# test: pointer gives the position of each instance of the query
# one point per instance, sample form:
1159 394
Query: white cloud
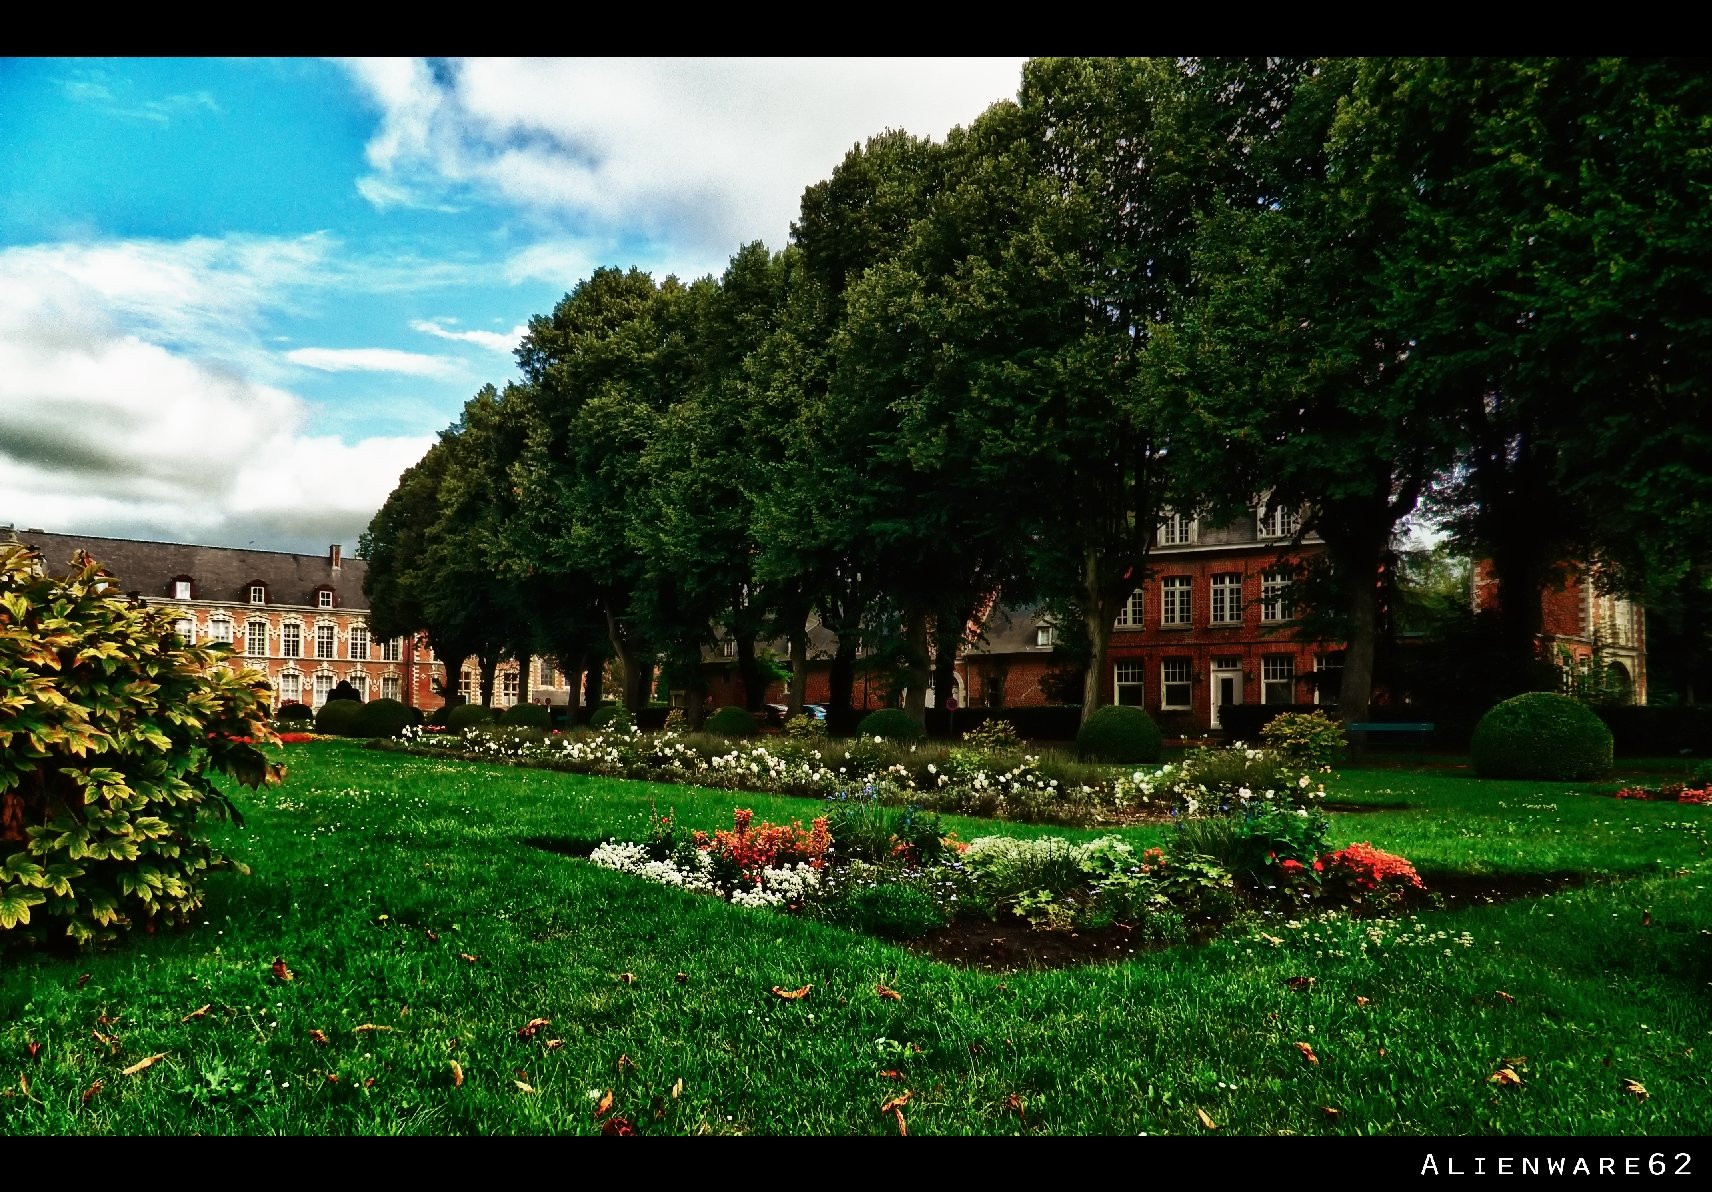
390 360
710 152
128 404
494 341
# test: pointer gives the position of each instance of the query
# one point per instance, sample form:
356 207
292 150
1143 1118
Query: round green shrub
527 716
440 715
464 715
385 718
1541 735
891 724
730 721
604 715
294 711
114 729
1120 734
340 718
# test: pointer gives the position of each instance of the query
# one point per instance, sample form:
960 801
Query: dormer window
258 593
1279 522
1177 530
323 597
1043 635
181 588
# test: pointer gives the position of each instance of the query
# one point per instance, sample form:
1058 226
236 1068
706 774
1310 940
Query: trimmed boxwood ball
385 718
294 711
1541 735
340 718
892 724
1120 734
731 721
465 715
526 716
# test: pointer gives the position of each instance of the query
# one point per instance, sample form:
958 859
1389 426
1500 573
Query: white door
1227 686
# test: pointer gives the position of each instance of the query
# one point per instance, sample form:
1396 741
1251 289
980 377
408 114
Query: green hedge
294 711
386 718
1120 734
731 721
1541 735
891 724
464 715
527 716
340 718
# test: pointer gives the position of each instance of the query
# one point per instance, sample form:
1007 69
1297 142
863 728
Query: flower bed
969 780
1671 792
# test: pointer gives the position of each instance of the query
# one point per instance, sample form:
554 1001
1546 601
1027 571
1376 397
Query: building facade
302 620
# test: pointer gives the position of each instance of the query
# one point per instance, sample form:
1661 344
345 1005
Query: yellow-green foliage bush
111 729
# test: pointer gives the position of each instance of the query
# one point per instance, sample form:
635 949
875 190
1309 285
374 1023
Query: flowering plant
1368 874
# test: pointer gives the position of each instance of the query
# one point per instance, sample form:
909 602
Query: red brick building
1579 624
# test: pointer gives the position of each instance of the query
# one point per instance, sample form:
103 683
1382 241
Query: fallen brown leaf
1361 1001
35 1050
1647 917
522 1086
624 1062
318 1037
24 1084
888 993
82 980
369 1083
678 1088
1331 1111
1504 1076
91 1091
553 1044
682 978
457 1074
107 1041
1635 1087
332 1078
1308 1053
529 1029
465 956
903 1130
892 1074
792 995
280 971
369 1028
1506 998
1016 1105
1207 1123
1300 982
617 1127
605 1105
145 1063
201 1013
627 978
433 936
901 1099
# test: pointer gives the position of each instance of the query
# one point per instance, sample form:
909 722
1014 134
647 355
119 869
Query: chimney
333 557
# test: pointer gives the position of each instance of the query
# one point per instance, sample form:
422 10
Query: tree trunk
799 665
489 664
841 685
1361 596
573 690
631 683
916 669
947 645
1099 610
524 676
754 683
594 677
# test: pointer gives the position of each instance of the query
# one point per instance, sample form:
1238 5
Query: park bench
1419 728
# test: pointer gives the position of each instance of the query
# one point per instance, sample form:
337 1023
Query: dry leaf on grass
1016 1105
280 971
1506 998
888 993
627 978
678 1088
895 1102
1308 1053
892 1074
82 980
35 1050
319 1036
369 1028
1504 1076
1207 1123
529 1029
457 1074
465 956
791 995
554 1044
201 1013
1635 1087
605 1105
1301 982
903 1130
617 1127
522 1087
1331 1111
433 936
91 1091
144 1064
1361 1001
624 1062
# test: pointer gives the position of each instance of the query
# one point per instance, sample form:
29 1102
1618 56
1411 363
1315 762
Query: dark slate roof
216 572
1010 631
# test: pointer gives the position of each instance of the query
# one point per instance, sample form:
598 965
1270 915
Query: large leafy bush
385 718
111 729
891 724
1541 735
463 716
340 718
527 716
731 721
1119 733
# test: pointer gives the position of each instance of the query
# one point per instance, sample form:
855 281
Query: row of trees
1361 286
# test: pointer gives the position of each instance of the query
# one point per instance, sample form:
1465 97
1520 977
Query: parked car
777 714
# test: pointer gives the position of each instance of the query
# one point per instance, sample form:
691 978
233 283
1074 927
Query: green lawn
361 858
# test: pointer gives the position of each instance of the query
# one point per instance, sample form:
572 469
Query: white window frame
1176 678
323 687
391 687
1043 636
258 594
1177 530
359 680
469 685
510 688
291 639
290 687
357 636
324 598
185 627
1129 682
1277 521
250 628
1277 671
728 647
392 649
1323 662
181 589
326 640
221 629
1275 598
1133 615
1226 603
1176 601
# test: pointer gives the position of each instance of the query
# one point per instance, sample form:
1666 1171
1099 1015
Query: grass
361 855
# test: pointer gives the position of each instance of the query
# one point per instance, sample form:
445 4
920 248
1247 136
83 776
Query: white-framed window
510 687
324 647
1130 616
469 686
392 649
324 598
1044 636
1277 679
391 687
360 682
291 688
1275 597
1177 530
1278 522
220 629
1324 694
181 589
185 627
358 641
1174 683
291 639
1174 604
258 594
1128 685
549 674
323 687
1227 599
255 639
728 647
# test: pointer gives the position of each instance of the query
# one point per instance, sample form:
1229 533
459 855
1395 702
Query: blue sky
238 297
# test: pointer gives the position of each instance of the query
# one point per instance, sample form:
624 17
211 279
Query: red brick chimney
333 557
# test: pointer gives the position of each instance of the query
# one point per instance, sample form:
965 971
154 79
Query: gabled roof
218 572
